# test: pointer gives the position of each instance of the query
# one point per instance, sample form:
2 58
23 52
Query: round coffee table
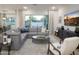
40 39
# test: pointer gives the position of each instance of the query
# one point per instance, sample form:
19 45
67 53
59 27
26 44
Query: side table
40 39
8 45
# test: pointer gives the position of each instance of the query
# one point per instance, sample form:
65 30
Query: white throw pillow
43 29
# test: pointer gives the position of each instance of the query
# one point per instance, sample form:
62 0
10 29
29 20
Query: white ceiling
66 7
31 6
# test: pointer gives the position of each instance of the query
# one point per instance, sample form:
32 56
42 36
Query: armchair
66 48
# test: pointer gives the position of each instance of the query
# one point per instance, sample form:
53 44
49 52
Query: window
34 21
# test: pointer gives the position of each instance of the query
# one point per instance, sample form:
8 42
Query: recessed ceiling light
25 7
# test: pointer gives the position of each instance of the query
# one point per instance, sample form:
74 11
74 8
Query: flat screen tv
71 21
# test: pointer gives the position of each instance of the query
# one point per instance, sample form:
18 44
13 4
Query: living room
32 26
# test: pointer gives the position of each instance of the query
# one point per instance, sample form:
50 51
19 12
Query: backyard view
36 21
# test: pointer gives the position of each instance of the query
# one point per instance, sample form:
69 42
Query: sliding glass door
36 21
8 23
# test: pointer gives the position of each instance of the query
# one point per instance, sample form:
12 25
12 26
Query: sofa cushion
23 35
25 29
35 29
65 33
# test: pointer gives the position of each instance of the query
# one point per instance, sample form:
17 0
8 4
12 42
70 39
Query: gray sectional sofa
18 38
65 33
36 31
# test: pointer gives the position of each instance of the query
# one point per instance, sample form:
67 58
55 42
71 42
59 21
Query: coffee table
40 39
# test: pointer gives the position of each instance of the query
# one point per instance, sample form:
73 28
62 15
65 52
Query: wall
59 15
35 12
19 18
51 22
71 13
55 20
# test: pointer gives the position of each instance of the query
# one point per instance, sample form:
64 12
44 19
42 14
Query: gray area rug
30 48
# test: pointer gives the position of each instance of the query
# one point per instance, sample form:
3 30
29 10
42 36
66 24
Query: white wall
61 17
55 20
69 12
35 12
51 22
71 9
62 12
19 18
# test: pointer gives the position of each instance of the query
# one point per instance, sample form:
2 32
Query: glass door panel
27 23
36 21
8 23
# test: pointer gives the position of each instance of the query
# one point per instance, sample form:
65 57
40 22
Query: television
71 21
